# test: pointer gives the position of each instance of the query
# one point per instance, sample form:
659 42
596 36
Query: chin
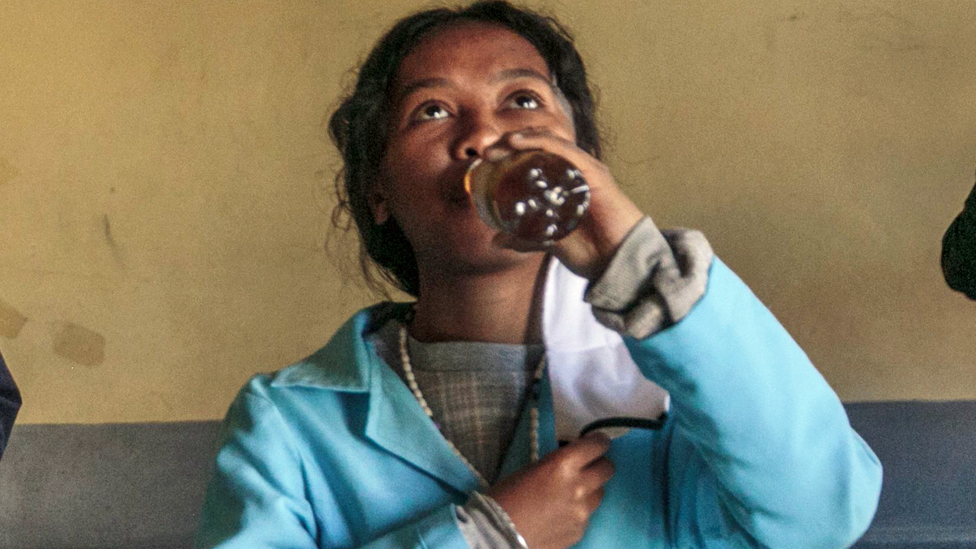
480 258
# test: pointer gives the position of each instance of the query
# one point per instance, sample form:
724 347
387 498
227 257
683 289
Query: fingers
544 140
596 173
573 458
541 138
534 138
592 480
593 500
585 451
600 471
551 501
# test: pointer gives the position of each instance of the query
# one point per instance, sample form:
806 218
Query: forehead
469 48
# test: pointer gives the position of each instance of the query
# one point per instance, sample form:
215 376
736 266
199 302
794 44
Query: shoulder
344 364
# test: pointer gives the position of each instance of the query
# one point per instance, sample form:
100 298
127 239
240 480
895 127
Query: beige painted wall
165 181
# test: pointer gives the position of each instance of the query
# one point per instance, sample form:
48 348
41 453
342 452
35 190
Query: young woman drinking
434 424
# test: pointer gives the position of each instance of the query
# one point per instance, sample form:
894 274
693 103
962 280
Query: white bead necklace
415 389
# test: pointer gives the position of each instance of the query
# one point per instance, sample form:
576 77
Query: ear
378 203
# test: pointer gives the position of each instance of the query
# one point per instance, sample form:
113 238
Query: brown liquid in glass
534 195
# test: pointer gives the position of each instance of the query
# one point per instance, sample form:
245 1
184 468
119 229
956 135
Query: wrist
589 251
505 520
489 525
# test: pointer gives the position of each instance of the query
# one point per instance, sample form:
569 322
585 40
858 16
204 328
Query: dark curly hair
358 126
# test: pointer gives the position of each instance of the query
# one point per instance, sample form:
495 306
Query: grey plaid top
476 391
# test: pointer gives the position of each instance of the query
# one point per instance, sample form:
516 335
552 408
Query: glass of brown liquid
534 195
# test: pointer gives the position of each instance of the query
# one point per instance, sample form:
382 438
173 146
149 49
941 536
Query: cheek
398 165
560 124
569 126
413 151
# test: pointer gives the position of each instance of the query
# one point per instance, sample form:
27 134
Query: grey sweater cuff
485 525
652 281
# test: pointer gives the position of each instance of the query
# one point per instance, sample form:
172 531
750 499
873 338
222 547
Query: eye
430 111
524 100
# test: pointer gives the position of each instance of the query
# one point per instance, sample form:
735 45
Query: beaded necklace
415 389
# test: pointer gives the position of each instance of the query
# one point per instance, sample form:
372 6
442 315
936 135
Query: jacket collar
344 364
395 421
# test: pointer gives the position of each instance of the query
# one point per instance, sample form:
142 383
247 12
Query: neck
500 307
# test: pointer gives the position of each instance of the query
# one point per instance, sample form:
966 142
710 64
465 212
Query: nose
477 133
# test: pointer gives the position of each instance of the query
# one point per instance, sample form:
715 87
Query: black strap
629 422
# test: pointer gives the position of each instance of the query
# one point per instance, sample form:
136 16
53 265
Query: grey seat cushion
928 450
140 486
104 486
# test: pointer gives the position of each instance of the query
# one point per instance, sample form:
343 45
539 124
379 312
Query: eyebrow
423 83
514 74
507 74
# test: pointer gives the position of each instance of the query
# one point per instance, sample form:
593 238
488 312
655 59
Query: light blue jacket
335 452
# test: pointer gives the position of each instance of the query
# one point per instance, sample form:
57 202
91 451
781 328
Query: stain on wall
107 229
7 172
11 321
79 344
109 237
877 28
